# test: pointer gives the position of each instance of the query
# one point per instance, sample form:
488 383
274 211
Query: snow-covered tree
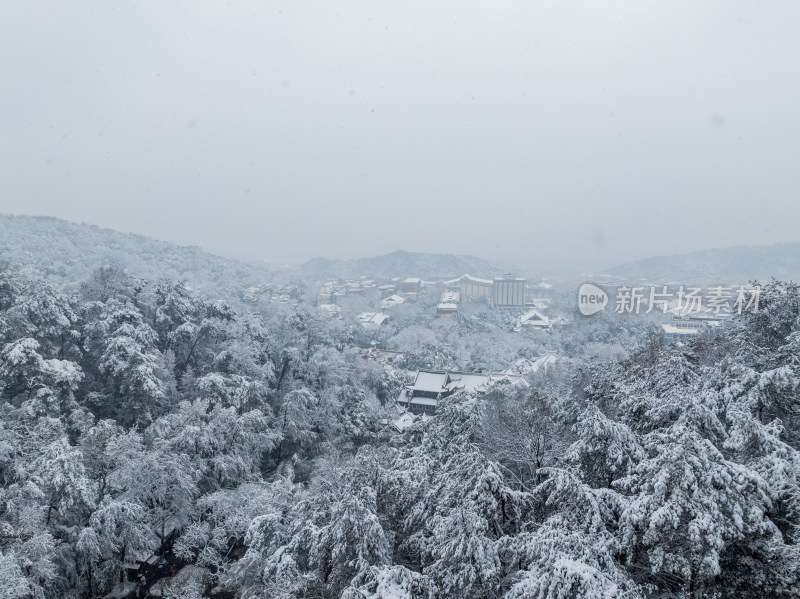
688 505
389 582
604 450
572 552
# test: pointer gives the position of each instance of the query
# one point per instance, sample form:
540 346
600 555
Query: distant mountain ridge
67 253
401 264
732 265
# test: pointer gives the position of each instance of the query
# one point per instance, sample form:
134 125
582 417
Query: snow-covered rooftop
527 366
432 381
404 421
372 319
392 300
673 330
450 297
534 318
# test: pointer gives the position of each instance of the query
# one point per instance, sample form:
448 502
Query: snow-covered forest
254 449
399 300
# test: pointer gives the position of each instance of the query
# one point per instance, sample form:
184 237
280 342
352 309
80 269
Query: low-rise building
683 328
273 293
386 290
333 292
532 366
411 285
330 310
392 301
373 319
384 357
534 319
448 303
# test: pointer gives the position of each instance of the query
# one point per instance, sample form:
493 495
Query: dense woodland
67 253
131 409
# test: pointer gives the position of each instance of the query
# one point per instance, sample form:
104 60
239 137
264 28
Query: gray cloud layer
596 131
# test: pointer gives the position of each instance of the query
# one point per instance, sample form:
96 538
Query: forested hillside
66 253
732 265
255 451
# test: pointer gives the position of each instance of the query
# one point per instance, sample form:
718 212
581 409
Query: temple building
430 386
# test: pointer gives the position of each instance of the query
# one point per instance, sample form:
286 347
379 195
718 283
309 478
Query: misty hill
733 265
401 264
66 253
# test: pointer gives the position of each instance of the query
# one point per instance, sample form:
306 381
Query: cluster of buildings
332 291
273 293
508 291
392 292
368 320
504 291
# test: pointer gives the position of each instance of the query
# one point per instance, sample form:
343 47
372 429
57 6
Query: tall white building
508 290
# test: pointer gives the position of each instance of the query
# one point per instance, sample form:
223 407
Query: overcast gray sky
604 131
